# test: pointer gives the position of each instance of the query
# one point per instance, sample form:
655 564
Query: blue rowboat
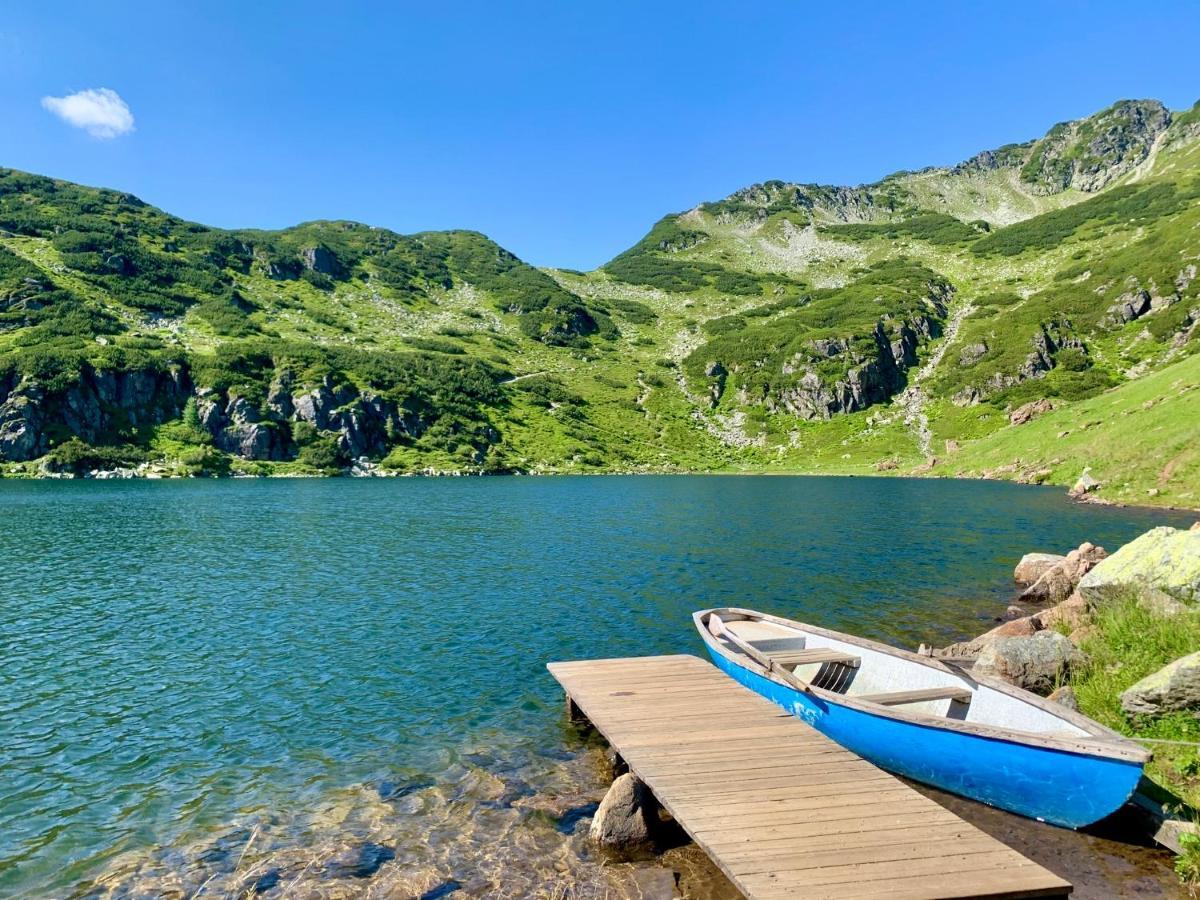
922 718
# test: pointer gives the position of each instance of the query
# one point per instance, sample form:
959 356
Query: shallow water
203 679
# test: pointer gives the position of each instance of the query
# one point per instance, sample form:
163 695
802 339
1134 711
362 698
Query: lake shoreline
375 472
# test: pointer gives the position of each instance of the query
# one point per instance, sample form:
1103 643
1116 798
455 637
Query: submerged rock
1173 688
1163 559
445 889
1036 663
362 862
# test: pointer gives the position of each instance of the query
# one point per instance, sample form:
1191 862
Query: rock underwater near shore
473 831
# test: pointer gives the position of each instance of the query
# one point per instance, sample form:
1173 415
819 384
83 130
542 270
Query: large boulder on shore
1071 614
1059 581
1163 560
627 814
1037 663
1172 688
1020 627
1034 565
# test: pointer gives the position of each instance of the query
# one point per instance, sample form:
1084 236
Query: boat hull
1067 789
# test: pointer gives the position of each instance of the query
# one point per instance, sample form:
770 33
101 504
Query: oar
718 629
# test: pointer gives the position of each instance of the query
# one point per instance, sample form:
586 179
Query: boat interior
870 674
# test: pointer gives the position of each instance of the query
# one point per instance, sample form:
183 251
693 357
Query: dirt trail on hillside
913 399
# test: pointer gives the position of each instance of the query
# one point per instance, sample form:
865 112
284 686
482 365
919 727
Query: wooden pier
780 808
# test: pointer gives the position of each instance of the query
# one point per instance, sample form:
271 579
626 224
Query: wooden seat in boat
814 655
921 695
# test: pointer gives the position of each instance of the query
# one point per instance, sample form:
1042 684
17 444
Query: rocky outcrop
1070 614
1130 306
21 435
364 422
1047 342
1023 626
1090 153
1059 581
96 407
1163 560
1034 565
868 380
972 353
320 259
627 816
1065 696
1038 663
101 406
1050 339
718 374
1173 688
240 429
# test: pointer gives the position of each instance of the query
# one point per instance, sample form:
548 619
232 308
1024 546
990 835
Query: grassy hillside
788 327
1139 439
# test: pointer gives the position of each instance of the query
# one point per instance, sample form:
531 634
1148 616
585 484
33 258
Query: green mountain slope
787 327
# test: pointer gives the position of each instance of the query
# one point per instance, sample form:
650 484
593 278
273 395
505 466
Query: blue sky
562 130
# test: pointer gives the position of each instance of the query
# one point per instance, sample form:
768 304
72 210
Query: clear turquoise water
177 655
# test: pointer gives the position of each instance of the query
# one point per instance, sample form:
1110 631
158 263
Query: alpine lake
323 687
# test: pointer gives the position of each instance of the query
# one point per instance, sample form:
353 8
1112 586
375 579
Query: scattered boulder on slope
1164 560
1034 565
1036 663
1059 581
1172 688
627 814
1029 411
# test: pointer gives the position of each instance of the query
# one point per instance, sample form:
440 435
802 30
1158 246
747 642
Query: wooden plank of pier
783 810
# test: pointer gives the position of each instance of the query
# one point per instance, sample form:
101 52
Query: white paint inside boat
879 672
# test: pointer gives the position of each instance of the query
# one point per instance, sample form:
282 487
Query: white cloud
98 111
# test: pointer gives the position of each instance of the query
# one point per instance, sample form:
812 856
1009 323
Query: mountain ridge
766 331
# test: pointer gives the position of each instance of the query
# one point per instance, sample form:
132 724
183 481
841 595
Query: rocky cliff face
874 376
97 407
828 376
103 406
362 422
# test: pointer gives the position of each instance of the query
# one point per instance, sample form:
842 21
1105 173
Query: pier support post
574 713
617 763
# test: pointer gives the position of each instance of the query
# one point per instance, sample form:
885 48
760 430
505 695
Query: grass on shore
1130 642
